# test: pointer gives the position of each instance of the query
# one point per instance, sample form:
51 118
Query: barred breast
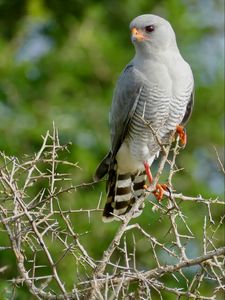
163 111
152 107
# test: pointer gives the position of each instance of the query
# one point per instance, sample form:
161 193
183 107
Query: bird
157 88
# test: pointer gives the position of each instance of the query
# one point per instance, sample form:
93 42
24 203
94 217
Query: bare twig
43 225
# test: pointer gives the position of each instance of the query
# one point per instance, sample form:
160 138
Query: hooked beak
137 35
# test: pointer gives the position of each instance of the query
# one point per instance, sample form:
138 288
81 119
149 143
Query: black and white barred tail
123 190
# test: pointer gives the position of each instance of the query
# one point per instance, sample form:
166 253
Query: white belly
128 163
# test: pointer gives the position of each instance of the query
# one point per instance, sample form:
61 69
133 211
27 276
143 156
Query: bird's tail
103 167
123 190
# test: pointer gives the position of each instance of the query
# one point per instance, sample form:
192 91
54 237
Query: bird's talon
159 191
145 187
182 134
169 191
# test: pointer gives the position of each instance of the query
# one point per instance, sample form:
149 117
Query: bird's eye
150 28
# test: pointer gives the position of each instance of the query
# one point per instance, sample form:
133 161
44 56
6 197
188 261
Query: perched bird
156 87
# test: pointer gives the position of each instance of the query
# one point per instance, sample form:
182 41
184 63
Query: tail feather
103 167
122 192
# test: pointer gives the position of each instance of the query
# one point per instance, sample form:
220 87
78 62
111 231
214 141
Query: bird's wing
189 109
125 100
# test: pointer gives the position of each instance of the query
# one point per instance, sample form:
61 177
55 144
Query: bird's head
149 32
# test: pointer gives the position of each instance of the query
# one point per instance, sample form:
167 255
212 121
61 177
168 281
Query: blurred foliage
59 62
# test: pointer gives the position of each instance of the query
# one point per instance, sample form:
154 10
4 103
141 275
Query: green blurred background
59 61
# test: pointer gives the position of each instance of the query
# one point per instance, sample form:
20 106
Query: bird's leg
182 134
160 188
148 172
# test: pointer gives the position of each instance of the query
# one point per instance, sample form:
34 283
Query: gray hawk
156 86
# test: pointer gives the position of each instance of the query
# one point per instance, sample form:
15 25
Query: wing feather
189 109
125 100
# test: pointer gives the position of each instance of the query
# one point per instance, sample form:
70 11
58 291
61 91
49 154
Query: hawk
156 86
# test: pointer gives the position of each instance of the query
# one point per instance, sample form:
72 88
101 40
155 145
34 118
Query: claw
159 191
182 134
145 187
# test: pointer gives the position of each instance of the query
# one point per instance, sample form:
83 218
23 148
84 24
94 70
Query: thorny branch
43 234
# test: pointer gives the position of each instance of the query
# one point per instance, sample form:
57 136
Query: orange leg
160 188
148 172
182 134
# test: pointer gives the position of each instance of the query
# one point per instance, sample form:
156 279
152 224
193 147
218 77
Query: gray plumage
157 86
